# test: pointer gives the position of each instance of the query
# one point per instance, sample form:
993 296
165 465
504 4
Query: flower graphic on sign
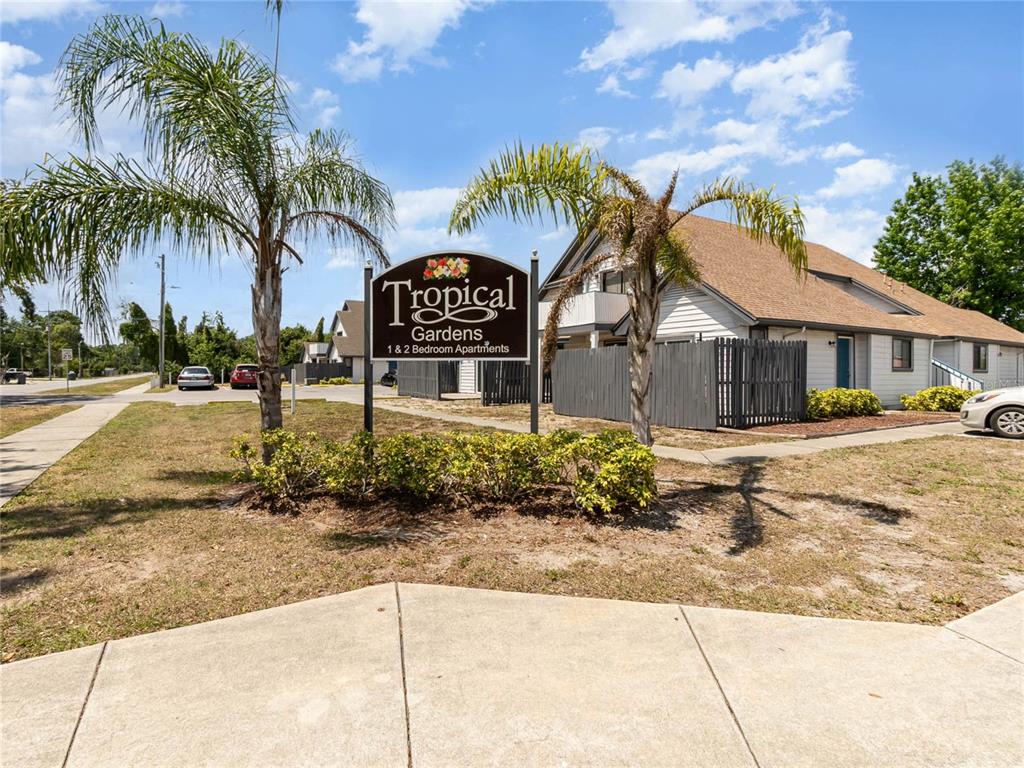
446 268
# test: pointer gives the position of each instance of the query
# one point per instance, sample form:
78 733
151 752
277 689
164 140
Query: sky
836 104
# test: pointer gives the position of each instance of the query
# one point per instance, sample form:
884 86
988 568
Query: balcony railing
592 307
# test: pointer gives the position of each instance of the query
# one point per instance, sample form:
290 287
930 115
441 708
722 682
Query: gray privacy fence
701 385
313 372
508 381
427 378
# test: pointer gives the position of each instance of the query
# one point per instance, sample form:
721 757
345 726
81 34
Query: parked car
12 374
244 375
1001 410
196 377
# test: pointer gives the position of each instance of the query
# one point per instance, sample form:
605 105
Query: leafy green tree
226 171
175 350
960 238
318 334
137 331
575 187
292 339
213 344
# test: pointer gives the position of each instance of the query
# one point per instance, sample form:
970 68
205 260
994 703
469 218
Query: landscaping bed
842 426
116 540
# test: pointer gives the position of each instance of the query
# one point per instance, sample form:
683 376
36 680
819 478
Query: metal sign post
293 390
534 354
66 356
367 356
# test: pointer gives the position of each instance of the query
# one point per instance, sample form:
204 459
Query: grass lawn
694 439
100 387
14 418
137 530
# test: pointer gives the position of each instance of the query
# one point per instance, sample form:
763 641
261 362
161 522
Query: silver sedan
1001 410
195 377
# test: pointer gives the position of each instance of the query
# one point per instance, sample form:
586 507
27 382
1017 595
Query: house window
902 354
759 333
611 282
981 358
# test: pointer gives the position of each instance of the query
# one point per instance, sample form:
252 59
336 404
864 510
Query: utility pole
49 354
79 358
161 319
23 358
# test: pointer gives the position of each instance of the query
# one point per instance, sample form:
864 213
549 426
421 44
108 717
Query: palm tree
573 186
224 171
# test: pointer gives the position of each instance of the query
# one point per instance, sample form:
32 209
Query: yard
101 387
14 418
139 529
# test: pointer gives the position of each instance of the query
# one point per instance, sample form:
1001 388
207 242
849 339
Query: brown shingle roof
350 318
756 278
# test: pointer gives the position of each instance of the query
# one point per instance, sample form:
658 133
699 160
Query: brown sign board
451 305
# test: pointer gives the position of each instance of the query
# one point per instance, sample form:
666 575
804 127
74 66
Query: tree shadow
198 477
746 525
13 582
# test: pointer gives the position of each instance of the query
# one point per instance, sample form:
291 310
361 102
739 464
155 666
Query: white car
196 376
1001 410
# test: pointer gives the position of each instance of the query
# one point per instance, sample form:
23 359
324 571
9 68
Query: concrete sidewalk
25 455
731 455
415 675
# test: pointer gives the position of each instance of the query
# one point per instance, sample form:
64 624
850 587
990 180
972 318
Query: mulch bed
855 424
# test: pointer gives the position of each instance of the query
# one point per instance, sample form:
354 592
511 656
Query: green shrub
837 402
604 472
945 398
333 381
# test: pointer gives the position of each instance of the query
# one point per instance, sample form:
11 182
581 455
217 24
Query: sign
66 354
452 305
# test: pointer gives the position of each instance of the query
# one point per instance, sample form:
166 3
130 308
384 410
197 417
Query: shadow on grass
38 522
746 525
13 582
198 476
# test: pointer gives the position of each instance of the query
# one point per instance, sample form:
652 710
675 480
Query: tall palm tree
224 171
575 187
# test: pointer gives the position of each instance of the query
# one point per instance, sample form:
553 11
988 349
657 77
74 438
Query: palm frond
566 293
761 214
562 181
675 264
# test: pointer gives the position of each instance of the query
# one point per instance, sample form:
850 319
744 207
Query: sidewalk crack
85 702
405 687
721 690
983 645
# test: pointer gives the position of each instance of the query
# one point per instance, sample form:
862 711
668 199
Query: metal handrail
969 381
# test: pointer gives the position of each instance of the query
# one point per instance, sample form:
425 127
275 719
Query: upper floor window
611 282
902 354
981 358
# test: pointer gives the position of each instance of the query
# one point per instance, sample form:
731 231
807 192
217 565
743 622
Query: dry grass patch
100 387
14 418
140 529
694 439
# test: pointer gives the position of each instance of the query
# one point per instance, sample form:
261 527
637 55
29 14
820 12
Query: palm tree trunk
644 303
266 323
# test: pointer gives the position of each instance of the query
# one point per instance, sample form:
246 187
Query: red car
244 376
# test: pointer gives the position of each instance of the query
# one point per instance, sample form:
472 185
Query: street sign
452 305
66 354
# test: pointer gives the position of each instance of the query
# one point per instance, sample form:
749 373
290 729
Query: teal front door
844 359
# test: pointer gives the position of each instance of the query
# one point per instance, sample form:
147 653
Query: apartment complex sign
451 306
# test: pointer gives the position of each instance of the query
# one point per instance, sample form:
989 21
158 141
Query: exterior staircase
945 374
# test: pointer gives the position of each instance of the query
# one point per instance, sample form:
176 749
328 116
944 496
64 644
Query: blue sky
835 103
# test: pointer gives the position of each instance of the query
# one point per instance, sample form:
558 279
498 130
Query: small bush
606 472
945 398
837 402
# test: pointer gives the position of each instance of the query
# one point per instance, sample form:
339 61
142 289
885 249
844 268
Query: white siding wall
965 363
691 312
889 384
467 376
946 352
1010 366
821 358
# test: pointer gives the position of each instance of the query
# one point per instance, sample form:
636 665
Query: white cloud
658 134
596 137
612 86
14 57
685 85
859 178
814 74
642 28
852 232
734 130
422 218
45 10
418 206
396 35
841 150
343 257
557 233
168 9
325 103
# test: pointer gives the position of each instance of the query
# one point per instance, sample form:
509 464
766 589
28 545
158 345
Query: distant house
863 329
314 351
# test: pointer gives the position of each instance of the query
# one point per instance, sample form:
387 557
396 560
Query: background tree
213 344
226 171
292 340
137 331
960 238
318 334
575 187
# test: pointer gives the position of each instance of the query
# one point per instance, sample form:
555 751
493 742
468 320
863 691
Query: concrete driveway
416 675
